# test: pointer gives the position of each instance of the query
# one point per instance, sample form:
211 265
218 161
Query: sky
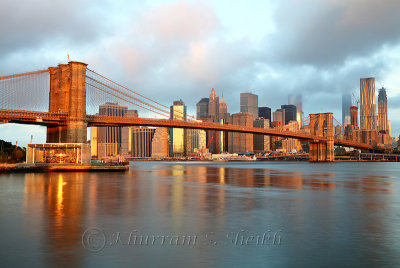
171 50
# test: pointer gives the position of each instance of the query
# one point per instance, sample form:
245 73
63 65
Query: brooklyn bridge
64 98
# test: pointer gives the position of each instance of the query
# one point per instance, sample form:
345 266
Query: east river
200 214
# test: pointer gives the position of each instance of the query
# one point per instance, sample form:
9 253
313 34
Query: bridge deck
47 118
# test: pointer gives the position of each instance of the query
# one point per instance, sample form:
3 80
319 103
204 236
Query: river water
199 214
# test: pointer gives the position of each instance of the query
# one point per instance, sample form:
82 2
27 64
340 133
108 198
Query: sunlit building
110 141
367 104
160 143
177 135
296 100
249 104
241 142
195 140
141 142
382 111
279 116
213 105
353 116
290 144
223 109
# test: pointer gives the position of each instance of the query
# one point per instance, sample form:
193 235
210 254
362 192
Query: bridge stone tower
322 125
68 95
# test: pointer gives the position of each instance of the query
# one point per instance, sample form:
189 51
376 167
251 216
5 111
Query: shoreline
35 168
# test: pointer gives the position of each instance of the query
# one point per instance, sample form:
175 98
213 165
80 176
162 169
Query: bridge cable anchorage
126 95
134 92
121 98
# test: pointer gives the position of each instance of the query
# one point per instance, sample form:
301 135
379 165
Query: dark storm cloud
329 32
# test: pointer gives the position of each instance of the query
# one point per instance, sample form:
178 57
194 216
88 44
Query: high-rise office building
241 142
213 105
261 143
290 113
264 112
109 139
195 140
346 104
367 104
160 143
249 104
141 142
382 111
126 135
354 116
223 109
177 135
296 100
279 116
202 108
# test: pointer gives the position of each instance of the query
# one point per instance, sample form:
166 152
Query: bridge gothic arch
321 125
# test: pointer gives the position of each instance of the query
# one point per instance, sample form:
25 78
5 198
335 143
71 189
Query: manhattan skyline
257 47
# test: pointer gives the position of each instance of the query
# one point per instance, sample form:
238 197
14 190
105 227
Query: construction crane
357 101
209 142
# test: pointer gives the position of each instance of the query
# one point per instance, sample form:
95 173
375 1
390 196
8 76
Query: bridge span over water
70 89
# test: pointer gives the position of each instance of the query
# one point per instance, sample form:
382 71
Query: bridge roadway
54 119
32 117
98 120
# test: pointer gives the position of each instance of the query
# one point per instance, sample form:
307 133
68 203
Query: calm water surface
280 214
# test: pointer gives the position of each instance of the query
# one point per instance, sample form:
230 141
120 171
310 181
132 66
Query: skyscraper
223 109
382 111
290 113
296 100
346 104
249 104
261 143
241 142
354 116
160 143
367 105
213 105
177 135
279 116
264 112
202 108
109 139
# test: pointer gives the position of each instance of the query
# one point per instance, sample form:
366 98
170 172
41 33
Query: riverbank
27 168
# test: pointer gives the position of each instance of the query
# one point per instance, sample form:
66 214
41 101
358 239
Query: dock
42 167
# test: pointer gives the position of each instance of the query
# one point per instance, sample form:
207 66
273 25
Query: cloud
31 25
330 32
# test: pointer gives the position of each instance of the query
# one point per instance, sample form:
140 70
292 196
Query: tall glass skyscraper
177 135
382 111
367 104
290 113
346 104
296 100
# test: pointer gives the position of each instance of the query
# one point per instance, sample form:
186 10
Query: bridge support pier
68 95
322 125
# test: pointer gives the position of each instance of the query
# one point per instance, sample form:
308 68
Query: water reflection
59 198
329 206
